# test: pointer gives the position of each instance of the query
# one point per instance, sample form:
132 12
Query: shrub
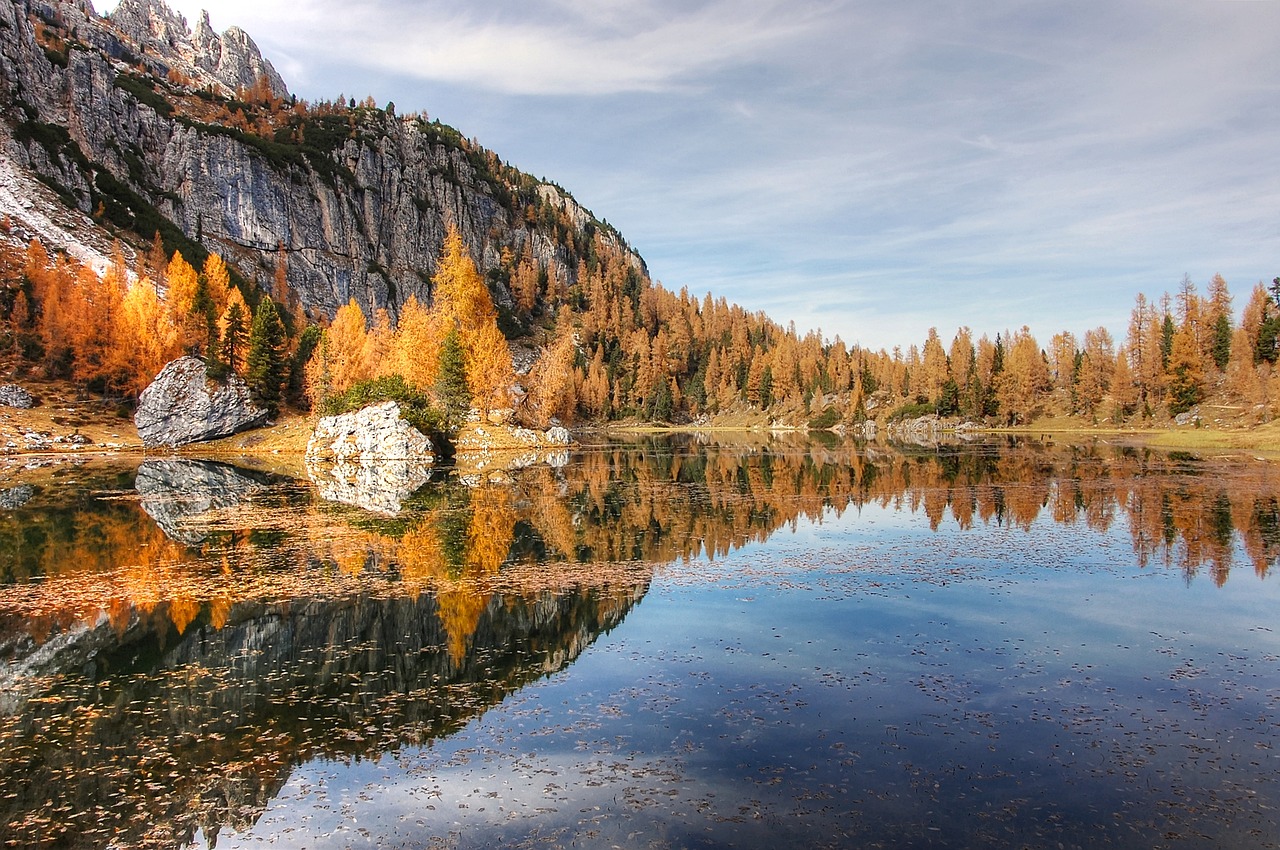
414 406
825 419
912 411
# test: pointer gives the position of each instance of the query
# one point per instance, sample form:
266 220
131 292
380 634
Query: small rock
12 395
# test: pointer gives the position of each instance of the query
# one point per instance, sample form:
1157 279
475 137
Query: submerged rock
183 406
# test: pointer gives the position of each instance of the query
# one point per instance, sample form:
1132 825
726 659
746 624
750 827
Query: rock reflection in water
159 682
177 491
380 487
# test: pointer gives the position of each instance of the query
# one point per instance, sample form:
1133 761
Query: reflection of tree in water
655 501
155 686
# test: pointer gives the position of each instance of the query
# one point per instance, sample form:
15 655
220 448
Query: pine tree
308 342
234 336
264 363
451 390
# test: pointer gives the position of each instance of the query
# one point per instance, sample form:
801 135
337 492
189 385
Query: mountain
141 125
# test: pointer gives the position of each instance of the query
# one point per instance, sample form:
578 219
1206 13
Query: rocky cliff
149 126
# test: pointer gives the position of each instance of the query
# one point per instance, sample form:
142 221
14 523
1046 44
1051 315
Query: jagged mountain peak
231 59
147 126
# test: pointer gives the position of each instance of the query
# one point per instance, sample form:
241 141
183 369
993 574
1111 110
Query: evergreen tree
1167 331
233 335
264 363
452 393
1222 334
308 341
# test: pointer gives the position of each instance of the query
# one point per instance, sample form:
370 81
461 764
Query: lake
668 642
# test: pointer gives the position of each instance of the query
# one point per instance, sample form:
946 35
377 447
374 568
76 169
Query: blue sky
870 169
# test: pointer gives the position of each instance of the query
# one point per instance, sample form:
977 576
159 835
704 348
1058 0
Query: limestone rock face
360 213
232 59
183 406
12 395
371 458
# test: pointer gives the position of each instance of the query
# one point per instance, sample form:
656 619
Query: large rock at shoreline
183 406
370 435
371 458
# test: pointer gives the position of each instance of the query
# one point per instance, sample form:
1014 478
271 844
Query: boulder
371 458
12 395
183 406
370 435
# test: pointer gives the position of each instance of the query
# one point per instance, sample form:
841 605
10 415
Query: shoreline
112 437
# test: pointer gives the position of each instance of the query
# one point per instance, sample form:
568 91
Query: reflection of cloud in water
380 487
176 493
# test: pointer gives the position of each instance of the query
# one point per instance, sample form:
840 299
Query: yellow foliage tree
490 374
415 345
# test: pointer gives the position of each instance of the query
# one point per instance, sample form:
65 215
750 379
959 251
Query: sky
868 169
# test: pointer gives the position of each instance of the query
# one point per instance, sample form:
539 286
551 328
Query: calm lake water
664 643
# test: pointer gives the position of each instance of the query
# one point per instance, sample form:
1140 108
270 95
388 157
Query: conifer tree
308 342
264 363
234 336
451 390
1186 377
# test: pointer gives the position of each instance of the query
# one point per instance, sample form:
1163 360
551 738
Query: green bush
824 420
912 411
414 406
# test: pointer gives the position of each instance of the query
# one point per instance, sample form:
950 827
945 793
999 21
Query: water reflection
175 638
381 488
176 491
141 735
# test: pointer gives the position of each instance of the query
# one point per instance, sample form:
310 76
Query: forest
610 345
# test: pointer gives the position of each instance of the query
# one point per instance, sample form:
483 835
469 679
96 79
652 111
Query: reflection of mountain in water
159 680
143 736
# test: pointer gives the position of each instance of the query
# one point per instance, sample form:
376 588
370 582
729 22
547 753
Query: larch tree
182 297
1241 373
1062 362
460 296
346 343
935 371
1185 386
415 347
1124 388
490 375
218 280
551 380
1024 380
1097 365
